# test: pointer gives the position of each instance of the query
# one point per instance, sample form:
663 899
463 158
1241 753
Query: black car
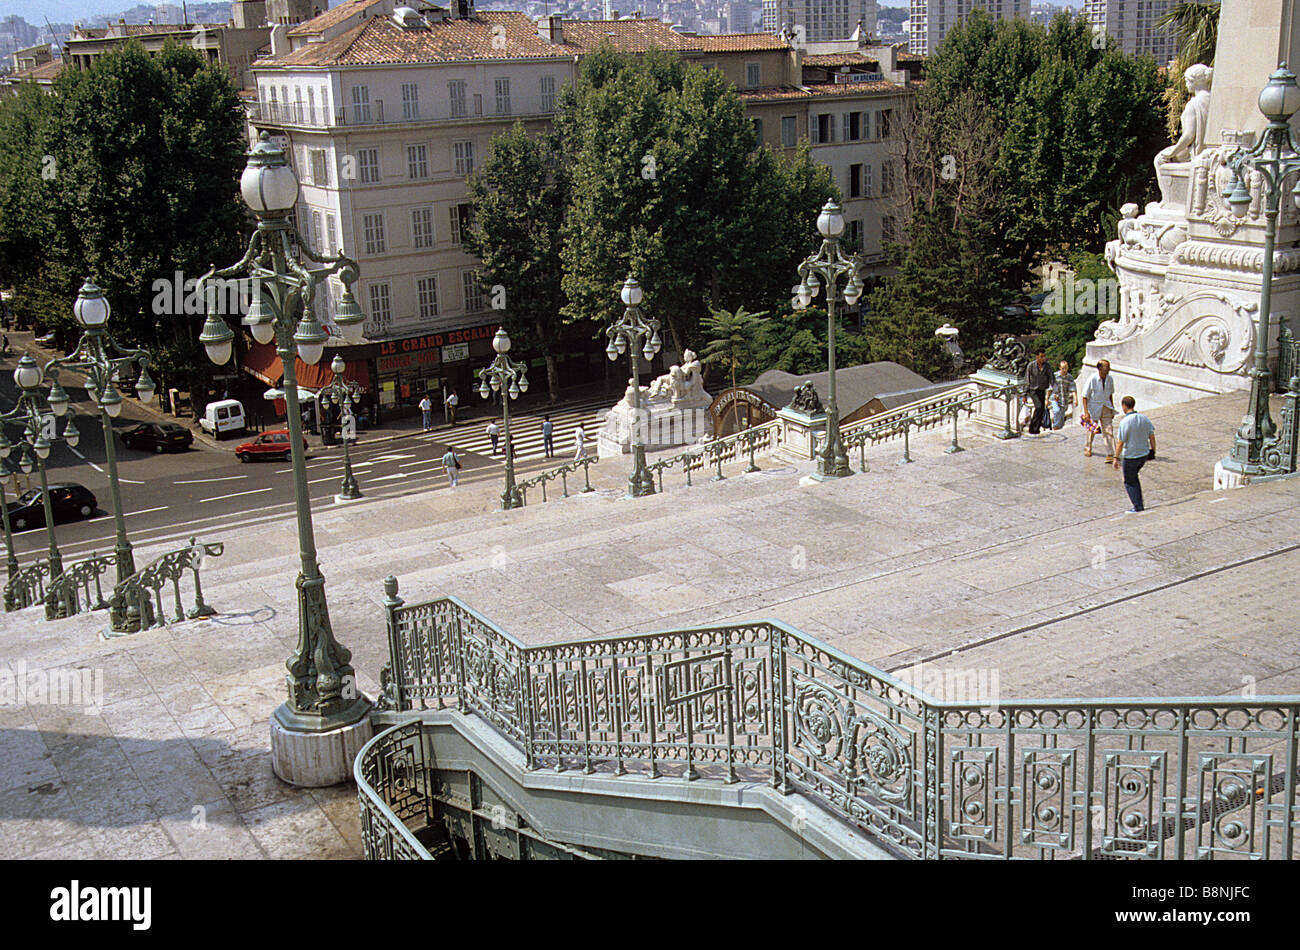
68 501
158 437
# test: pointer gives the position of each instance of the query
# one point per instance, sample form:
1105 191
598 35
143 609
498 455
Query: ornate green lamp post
831 265
344 394
36 414
315 733
635 332
11 561
1273 158
103 360
507 376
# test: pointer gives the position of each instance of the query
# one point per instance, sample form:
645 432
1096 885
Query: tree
1195 24
667 184
1065 331
146 151
731 338
519 195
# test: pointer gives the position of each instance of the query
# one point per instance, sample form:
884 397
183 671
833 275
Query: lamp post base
828 470
1228 475
312 752
343 497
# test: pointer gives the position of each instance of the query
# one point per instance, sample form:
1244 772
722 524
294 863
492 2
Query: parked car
222 416
68 500
158 437
274 444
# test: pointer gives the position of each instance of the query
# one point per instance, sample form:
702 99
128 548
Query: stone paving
1014 557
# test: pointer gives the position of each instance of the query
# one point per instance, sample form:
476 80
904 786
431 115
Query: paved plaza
1014 557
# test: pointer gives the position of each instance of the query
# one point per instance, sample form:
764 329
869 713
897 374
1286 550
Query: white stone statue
1194 121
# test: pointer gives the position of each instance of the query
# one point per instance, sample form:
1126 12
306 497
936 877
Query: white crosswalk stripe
526 433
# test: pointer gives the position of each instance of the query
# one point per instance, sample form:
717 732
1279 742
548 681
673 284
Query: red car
274 444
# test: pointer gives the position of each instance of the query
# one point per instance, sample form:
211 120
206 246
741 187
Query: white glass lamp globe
501 342
91 309
27 375
268 184
1280 99
831 220
631 293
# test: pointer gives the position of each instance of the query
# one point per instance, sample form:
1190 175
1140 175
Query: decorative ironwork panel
1132 817
1237 792
973 780
1048 780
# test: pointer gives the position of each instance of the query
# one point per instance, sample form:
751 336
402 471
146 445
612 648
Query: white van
222 416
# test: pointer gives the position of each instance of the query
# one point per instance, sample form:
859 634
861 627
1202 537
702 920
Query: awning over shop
263 362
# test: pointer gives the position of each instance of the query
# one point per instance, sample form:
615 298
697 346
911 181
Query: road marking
389 478
392 457
254 491
129 481
327 478
86 460
144 511
202 481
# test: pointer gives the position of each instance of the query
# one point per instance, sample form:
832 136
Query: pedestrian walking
1038 380
426 412
494 433
451 401
451 465
1064 392
1097 408
1136 438
580 440
548 437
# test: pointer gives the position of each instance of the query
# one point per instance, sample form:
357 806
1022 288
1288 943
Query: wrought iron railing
1288 359
137 602
392 786
887 426
746 444
70 592
1211 777
27 587
562 473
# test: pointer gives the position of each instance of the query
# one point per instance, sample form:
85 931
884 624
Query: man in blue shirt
1136 443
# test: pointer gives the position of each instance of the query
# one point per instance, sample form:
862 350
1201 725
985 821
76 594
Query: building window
311 104
368 165
887 228
789 130
456 93
427 292
331 236
464 157
360 104
316 232
381 309
886 177
753 75
883 118
320 167
373 226
758 132
300 110
462 219
866 181
502 87
473 291
422 227
548 94
417 162
853 235
410 100
325 105
852 126
824 128
855 181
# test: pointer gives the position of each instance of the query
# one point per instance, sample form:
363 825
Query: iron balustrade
562 472
713 454
392 786
70 591
27 588
1204 777
887 426
1288 359
137 603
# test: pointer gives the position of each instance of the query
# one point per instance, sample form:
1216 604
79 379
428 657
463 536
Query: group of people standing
1127 449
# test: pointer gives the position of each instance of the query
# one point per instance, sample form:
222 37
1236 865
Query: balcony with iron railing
375 113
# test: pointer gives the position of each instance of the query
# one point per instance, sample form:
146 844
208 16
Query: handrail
882 428
389 771
965 775
137 602
562 472
71 589
759 438
27 587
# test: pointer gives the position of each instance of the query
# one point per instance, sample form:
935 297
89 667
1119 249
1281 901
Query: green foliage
731 338
1066 334
519 196
667 186
145 152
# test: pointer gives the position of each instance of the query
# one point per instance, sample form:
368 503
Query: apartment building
930 20
1133 26
233 47
817 21
36 64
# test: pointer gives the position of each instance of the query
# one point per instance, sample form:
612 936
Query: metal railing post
393 603
954 447
907 441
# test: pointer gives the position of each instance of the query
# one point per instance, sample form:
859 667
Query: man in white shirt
494 433
580 440
451 400
426 412
1097 406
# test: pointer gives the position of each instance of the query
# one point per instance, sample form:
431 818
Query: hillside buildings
818 21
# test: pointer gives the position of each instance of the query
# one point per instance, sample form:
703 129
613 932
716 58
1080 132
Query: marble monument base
316 759
797 440
661 426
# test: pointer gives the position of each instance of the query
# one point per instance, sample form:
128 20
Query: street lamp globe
310 338
144 386
41 447
501 342
27 375
831 220
1280 99
337 366
58 399
217 339
483 389
631 293
71 435
259 319
25 463
268 184
349 318
523 384
111 401
91 309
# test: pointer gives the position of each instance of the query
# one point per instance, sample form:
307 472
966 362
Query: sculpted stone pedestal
310 759
673 411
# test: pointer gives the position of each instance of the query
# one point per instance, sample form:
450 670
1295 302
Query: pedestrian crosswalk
526 433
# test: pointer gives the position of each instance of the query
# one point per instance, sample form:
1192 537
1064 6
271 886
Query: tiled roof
630 36
905 57
331 17
741 43
838 59
45 72
785 93
129 29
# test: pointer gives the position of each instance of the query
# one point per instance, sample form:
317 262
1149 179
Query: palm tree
732 338
1195 23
